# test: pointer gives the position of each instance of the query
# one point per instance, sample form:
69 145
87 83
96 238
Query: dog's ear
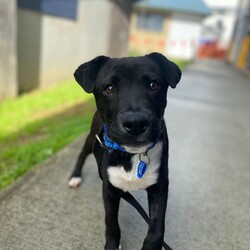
86 73
171 71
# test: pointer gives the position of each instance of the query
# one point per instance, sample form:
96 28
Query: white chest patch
128 181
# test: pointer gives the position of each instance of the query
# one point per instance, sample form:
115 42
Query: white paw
75 182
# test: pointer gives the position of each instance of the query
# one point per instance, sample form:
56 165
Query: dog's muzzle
135 123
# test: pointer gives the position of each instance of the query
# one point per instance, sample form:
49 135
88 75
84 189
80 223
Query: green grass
36 125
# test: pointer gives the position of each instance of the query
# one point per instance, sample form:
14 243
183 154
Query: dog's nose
135 123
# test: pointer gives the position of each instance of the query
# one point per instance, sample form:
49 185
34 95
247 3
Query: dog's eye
109 90
154 86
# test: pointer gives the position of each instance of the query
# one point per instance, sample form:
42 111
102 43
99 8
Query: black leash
128 197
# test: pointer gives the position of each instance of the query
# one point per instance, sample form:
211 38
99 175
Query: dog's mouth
137 149
134 143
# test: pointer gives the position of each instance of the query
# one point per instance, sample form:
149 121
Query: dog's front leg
111 197
157 199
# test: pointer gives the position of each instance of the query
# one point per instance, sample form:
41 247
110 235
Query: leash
128 197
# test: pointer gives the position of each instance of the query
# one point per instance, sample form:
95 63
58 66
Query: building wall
144 41
119 28
183 36
224 11
227 18
8 82
179 37
67 43
240 45
58 45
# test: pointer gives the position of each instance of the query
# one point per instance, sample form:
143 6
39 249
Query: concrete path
208 119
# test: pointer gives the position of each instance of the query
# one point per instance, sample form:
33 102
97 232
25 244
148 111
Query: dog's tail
132 201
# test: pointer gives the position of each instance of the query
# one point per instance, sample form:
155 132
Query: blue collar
110 144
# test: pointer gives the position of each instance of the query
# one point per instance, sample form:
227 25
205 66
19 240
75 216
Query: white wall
228 19
183 36
226 12
230 4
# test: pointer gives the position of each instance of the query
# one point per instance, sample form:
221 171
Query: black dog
128 135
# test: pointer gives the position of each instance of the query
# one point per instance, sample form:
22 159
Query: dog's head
130 95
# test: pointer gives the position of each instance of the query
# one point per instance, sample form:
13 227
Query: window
149 21
62 8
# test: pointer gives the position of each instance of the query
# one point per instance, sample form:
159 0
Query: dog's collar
110 146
